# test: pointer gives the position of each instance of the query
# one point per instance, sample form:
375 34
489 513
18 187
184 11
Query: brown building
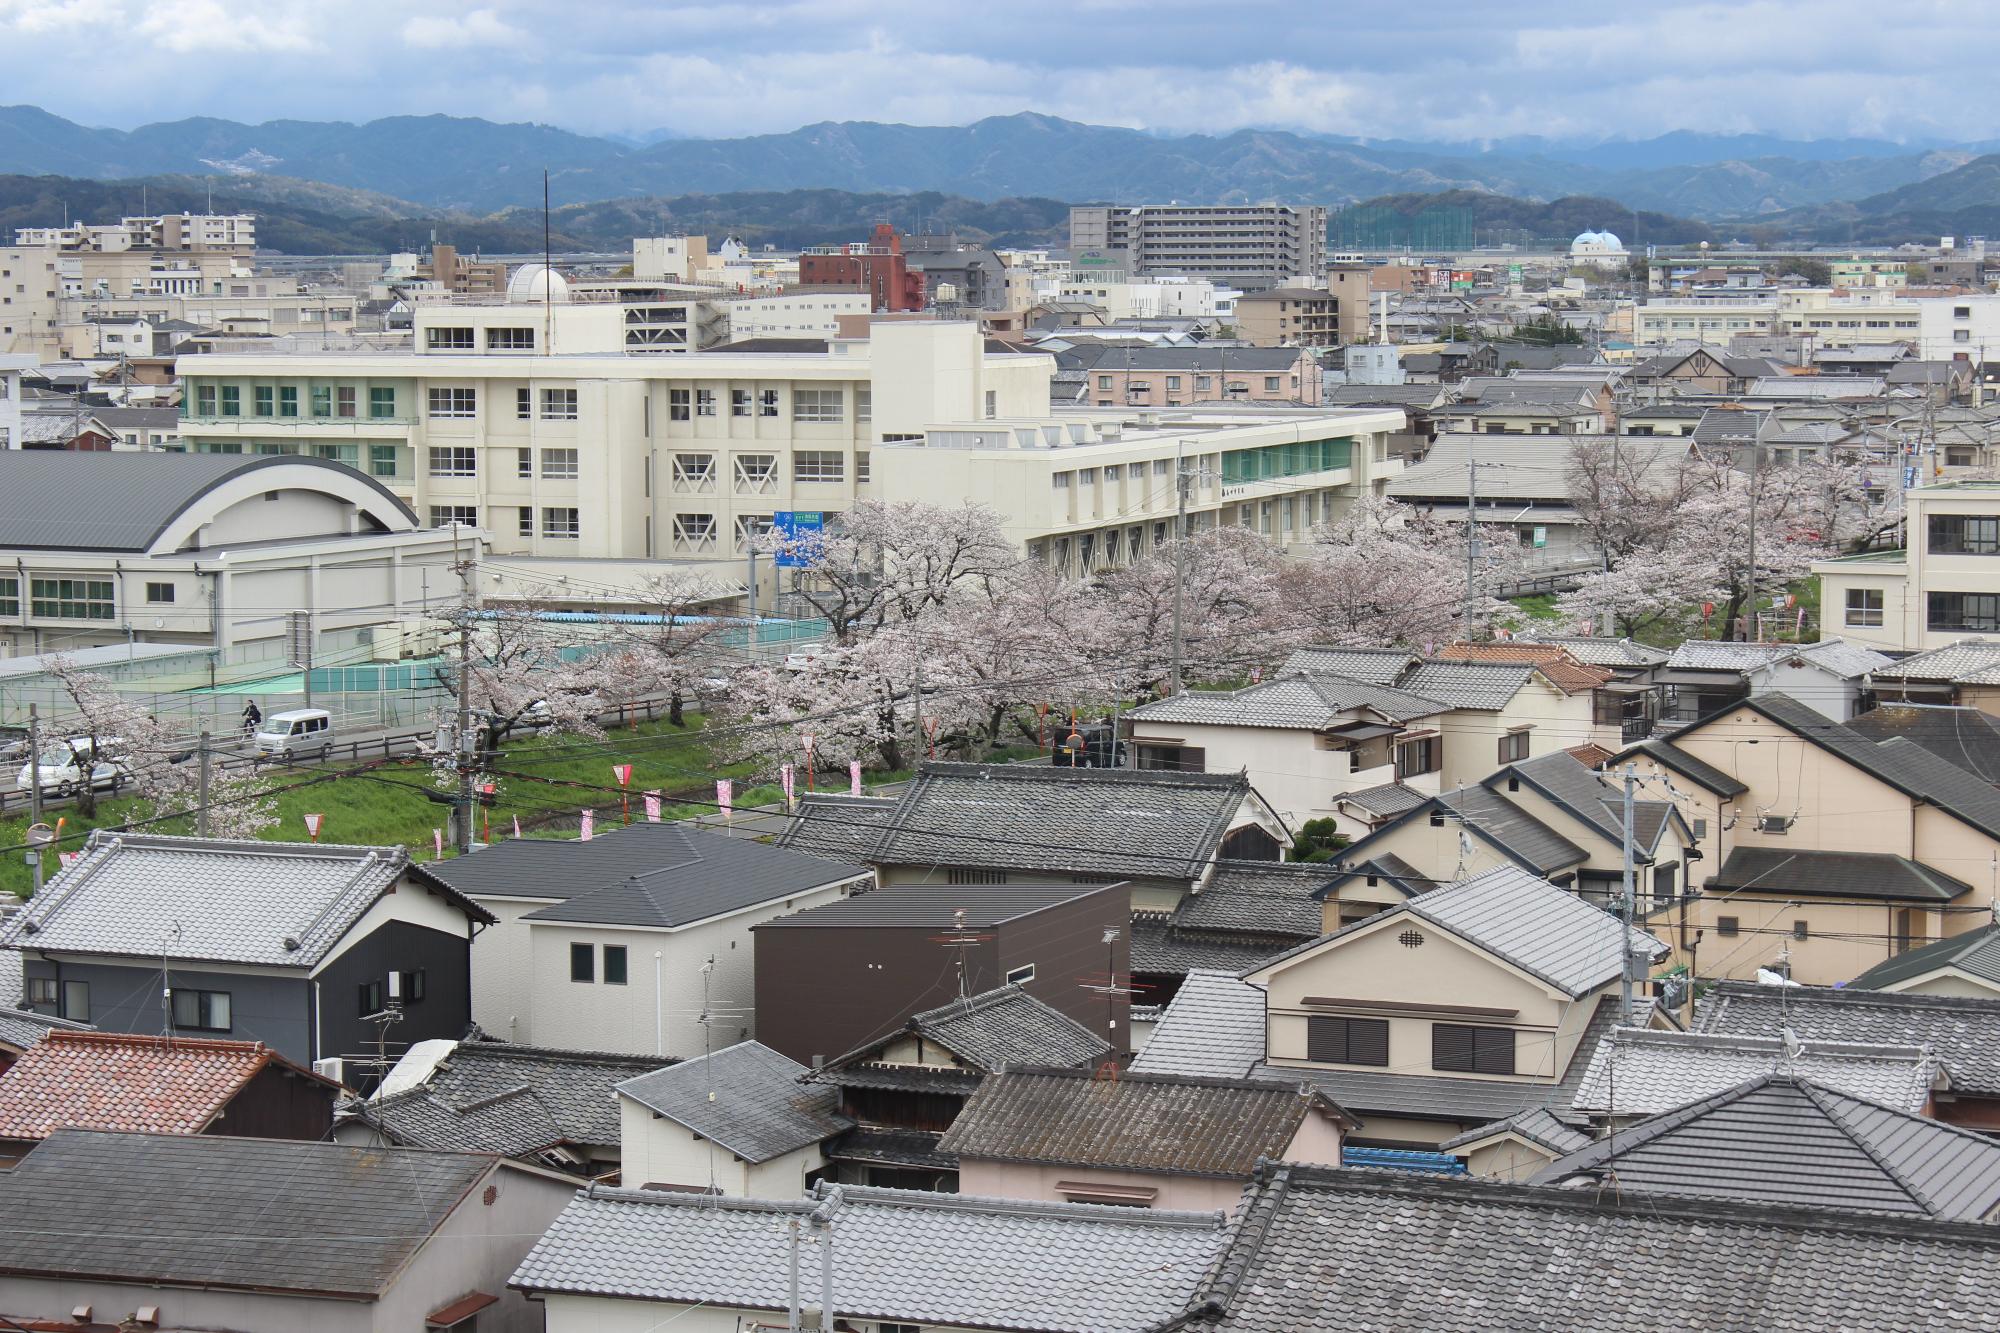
466 277
1122 376
879 268
833 978
1331 316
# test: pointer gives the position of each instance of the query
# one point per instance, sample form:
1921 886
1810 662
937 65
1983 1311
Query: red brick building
878 268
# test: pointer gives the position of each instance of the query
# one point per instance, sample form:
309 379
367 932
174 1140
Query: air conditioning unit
330 1068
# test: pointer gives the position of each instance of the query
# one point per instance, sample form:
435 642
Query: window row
66 599
462 460
1964 534
1457 1048
583 963
463 404
465 340
1111 472
1978 612
810 405
382 460
282 400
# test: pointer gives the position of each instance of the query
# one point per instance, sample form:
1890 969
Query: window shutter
1451 1046
1368 1041
1493 1050
1326 1040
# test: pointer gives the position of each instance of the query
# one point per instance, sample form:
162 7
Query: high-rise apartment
1252 246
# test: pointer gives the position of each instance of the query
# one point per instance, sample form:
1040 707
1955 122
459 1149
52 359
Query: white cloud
46 16
475 27
186 27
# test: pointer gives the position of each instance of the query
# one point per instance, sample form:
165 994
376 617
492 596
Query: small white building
1596 248
738 1122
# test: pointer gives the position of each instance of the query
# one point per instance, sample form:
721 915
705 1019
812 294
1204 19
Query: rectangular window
524 521
1514 747
510 340
864 405
1965 534
767 403
559 465
862 476
750 529
204 400
818 465
448 340
1471 1050
288 400
1272 383
524 460
560 522
1021 976
992 404
201 1010
1864 606
381 460
679 404
1113 472
159 592
72 599
559 404
1801 930
1347 1041
524 404
457 460
1416 757
1978 612
76 1001
614 964
582 962
818 405
443 516
1725 925
232 401
10 596
694 531
265 398
381 402
1060 481
739 402
344 400
43 990
704 402
1173 383
697 471
369 998
1173 758
455 403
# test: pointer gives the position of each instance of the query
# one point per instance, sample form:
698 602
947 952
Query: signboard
798 530
299 639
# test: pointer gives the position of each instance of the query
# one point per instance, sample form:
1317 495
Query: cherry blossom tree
672 643
1232 612
1387 573
893 561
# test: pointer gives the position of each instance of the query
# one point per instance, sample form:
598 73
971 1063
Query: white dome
537 283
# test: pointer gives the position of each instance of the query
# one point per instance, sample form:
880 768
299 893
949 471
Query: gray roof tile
1806 873
838 827
1642 1072
1496 819
1966 737
746 1097
1535 1124
1964 661
1009 1026
1964 1032
1698 771
1160 946
1384 799
1480 685
1379 666
1976 953
1213 1026
1257 897
1312 702
22 1028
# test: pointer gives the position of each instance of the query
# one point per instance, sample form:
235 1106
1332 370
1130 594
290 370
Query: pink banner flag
789 781
589 825
437 841
312 825
517 826
624 774
725 796
652 807
854 777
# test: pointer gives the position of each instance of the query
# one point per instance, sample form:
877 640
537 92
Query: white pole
659 1027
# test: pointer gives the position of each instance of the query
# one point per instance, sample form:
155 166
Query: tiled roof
840 828
1564 779
210 1210
22 1028
1213 1026
1535 1124
1966 661
1482 685
489 1096
653 875
1964 1032
209 900
1542 929
1159 946
1805 873
1171 1124
1422 1251
898 1256
1563 669
1379 666
746 1097
1257 897
111 1080
1698 771
1843 659
1494 818
1009 1026
1976 953
1158 825
1966 737
1384 799
1606 652
1310 702
1792 1139
1638 1071
922 905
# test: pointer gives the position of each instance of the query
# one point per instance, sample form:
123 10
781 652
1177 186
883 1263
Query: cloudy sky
1463 69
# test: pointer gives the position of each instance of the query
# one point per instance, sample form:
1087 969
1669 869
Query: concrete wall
477 1249
503 970
268 1006
1025 1180
655 1150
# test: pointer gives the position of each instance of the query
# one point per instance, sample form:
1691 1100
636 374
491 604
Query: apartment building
167 231
1704 319
794 314
1958 327
1943 587
1331 316
879 268
1252 246
533 422
1846 318
1175 376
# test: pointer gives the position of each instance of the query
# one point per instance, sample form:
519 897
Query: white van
302 731
61 772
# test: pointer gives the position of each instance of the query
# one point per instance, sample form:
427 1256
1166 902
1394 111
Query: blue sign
798 536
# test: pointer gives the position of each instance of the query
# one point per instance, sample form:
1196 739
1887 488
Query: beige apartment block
1943 586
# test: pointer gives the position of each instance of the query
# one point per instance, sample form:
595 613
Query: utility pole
1625 954
34 766
1471 533
201 811
1750 599
466 745
1182 481
751 585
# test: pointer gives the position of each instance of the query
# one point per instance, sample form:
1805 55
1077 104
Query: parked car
295 733
60 767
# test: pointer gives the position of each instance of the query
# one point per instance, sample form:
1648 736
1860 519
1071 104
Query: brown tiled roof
1590 755
1562 668
118 1081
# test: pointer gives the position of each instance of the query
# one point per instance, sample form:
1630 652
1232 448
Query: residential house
1213 1026
1435 1248
1696 369
1246 912
555 1108
905 1089
1702 675
1965 673
1963 1032
1827 852
1957 734
1520 980
1141 1140
1937 591
1791 1139
623 943
1967 965
21 1028
833 978
894 1259
739 1122
307 948
159 1085
203 1232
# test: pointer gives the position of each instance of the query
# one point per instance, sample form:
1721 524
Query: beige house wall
654 1150
1508 1158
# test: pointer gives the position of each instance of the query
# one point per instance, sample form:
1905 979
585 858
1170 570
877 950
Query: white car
60 769
295 733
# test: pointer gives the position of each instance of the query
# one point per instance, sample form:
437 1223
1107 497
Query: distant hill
1559 218
1961 202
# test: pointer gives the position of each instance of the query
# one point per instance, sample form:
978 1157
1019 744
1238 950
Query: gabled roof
1379 666
1968 661
1964 1032
1480 685
838 827
1836 656
1791 1139
1573 788
1444 1252
1606 652
1698 771
1535 1125
747 1098
1967 737
1976 953
1562 669
1641 1071
1213 1026
1009 1026
910 1257
1384 799
1257 897
1806 873
489 1096
208 1210
1311 702
657 875
272 904
22 1028
1168 1124
1157 825
117 1081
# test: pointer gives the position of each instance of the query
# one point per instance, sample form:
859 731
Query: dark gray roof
219 1211
1383 799
1168 1124
1573 787
746 1097
1259 897
1976 952
1008 1026
1308 701
1425 1251
1214 1025
1400 874
1158 825
660 875
1967 737
1804 873
122 501
1964 1032
899 1256
22 1028
1159 946
1535 1124
925 906
1380 666
840 828
890 1147
1493 818
1698 771
489 1096
1783 1139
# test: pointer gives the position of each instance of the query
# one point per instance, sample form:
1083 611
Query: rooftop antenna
959 939
548 274
1110 988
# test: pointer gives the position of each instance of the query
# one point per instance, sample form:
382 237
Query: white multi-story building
11 369
802 313
165 231
1251 246
1672 319
1951 327
1943 587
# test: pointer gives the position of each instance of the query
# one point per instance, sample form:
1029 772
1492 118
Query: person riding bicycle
253 717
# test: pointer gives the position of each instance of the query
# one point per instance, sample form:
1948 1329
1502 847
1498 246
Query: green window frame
73 599
204 400
10 596
232 400
322 400
265 399
349 454
381 402
382 460
288 400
